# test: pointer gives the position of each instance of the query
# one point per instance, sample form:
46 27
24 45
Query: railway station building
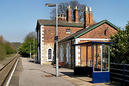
70 33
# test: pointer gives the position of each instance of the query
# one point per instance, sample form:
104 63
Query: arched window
50 54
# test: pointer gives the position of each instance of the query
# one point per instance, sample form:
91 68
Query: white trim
43 31
101 55
91 39
41 43
77 40
77 50
51 55
68 32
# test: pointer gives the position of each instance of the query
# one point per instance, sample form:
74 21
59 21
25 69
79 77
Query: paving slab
35 75
68 74
32 74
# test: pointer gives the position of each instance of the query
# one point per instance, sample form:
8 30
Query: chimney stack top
90 9
75 8
86 9
68 6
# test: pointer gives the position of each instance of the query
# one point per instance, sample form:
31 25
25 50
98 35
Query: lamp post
56 36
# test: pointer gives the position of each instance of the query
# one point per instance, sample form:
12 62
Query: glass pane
89 56
105 57
97 57
49 54
83 55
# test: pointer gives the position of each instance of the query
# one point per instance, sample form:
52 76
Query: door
101 61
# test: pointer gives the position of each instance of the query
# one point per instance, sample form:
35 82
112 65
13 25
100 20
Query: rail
6 70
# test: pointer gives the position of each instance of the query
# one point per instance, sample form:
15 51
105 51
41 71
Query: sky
19 17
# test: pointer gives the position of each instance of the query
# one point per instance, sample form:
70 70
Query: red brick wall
62 31
99 32
49 33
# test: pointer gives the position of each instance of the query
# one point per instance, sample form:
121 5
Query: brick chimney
69 19
75 14
90 17
61 17
86 17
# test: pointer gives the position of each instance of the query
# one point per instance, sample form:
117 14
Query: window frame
68 31
51 54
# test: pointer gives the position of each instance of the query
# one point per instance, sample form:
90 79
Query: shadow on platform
88 78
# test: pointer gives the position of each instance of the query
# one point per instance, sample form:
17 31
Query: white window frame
51 55
68 32
101 55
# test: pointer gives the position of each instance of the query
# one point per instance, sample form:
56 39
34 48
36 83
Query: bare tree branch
63 7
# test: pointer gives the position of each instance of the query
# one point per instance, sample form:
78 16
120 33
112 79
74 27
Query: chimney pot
90 9
90 16
86 17
86 9
68 7
75 8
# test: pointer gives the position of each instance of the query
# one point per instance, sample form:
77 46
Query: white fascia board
93 39
77 40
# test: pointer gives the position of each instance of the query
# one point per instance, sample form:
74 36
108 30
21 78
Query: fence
120 72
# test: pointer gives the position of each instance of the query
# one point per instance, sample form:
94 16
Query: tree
6 48
29 45
63 7
120 46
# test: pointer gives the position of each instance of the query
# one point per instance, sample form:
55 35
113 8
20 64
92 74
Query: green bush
26 46
6 48
120 46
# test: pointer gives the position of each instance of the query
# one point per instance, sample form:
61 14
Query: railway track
7 70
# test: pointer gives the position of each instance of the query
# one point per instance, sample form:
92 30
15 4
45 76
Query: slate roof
83 31
60 23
